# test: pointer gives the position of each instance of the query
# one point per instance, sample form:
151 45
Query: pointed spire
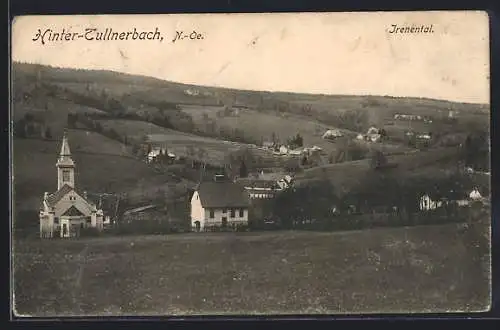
65 145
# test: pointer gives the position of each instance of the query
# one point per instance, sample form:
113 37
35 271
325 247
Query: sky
327 53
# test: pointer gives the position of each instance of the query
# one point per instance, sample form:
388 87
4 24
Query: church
66 211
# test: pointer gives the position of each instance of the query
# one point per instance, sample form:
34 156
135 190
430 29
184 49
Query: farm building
155 153
426 203
262 189
332 134
144 213
219 203
66 209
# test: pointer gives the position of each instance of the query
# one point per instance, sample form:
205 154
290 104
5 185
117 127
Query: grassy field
283 125
420 269
178 142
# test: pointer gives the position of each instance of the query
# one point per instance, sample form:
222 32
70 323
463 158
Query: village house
153 154
66 210
219 203
332 134
426 203
373 134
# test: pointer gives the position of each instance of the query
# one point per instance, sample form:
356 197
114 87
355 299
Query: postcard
250 164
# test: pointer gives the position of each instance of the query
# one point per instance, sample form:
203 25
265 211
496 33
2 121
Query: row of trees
376 191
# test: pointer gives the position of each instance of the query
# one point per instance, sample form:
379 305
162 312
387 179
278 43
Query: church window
66 175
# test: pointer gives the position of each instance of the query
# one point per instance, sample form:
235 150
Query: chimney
45 195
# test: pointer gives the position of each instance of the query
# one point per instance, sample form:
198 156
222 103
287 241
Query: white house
283 150
475 195
219 203
332 134
66 209
426 203
153 154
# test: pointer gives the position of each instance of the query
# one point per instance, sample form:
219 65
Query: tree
304 160
30 130
243 170
48 133
378 160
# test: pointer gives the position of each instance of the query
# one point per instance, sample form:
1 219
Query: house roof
139 209
223 194
257 183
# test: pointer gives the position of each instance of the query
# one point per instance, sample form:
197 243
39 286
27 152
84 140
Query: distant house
407 117
285 182
283 150
153 154
260 189
332 134
373 134
219 203
426 203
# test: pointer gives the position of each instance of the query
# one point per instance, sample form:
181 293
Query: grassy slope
102 165
345 175
431 268
177 142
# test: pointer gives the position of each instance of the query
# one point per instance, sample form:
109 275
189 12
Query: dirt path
76 290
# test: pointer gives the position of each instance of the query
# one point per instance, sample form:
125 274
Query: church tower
65 165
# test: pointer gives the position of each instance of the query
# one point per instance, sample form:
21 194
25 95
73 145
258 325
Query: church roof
65 146
58 195
65 153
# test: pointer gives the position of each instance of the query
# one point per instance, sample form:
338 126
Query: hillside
102 165
346 175
200 122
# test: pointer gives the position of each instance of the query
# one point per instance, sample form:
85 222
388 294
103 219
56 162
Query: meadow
439 268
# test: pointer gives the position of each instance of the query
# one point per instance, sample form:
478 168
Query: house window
241 213
66 175
212 215
233 211
224 211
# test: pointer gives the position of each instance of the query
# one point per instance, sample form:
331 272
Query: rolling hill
104 164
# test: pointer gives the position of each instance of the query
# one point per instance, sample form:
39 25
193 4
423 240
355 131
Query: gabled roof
223 194
72 212
58 195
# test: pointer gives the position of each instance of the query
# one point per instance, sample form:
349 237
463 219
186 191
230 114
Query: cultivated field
428 268
179 142
283 126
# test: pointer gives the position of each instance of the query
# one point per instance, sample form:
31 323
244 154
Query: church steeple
65 165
